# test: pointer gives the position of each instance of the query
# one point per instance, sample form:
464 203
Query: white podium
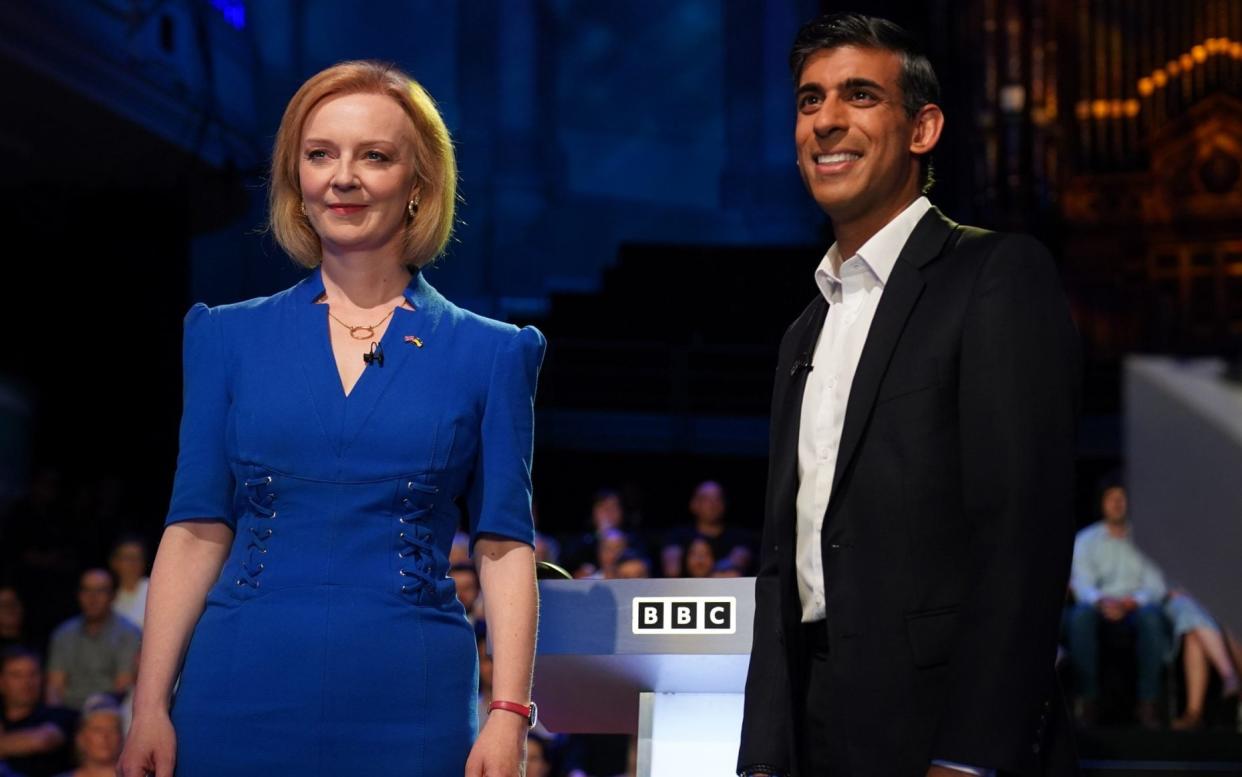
663 659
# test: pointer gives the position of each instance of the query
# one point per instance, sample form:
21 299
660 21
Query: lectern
665 659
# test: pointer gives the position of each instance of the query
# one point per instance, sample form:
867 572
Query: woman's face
100 739
356 171
611 547
699 559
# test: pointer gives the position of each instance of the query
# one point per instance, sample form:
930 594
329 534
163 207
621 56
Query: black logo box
684 615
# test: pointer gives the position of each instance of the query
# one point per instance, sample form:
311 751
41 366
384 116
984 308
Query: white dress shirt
852 288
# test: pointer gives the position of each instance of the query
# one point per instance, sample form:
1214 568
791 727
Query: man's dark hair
604 494
16 652
918 82
128 538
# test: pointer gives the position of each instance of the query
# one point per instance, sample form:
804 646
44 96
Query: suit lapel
905 285
787 408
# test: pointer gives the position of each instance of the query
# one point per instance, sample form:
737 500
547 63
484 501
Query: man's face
20 682
607 514
853 134
708 503
95 595
1114 506
11 613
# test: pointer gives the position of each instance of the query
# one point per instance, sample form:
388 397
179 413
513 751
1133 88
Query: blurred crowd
1136 650
73 587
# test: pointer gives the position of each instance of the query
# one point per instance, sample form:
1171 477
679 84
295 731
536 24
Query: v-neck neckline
382 347
342 415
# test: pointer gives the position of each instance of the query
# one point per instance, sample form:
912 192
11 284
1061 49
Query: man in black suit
918 523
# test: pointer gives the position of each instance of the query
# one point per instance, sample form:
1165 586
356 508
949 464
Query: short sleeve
500 495
58 650
203 486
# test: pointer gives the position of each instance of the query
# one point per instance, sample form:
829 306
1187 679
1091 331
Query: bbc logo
684 614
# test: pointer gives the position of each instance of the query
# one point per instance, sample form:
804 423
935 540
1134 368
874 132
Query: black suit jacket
948 535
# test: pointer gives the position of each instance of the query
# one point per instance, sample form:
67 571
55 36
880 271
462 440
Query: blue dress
333 642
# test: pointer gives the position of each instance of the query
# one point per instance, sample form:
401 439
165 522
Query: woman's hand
500 750
150 749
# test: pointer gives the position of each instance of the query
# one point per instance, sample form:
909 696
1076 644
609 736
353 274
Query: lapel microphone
376 356
803 362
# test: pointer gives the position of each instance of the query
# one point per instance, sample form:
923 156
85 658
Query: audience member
700 558
538 758
1114 582
608 551
1203 646
547 549
632 565
99 738
466 579
607 513
708 506
128 562
459 551
92 652
34 738
12 618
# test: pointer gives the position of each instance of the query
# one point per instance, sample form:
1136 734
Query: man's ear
928 123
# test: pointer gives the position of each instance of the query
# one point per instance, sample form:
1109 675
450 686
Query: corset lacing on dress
417 548
260 499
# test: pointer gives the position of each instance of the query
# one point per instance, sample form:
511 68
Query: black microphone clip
376 356
803 362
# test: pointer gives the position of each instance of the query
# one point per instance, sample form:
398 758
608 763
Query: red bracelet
531 713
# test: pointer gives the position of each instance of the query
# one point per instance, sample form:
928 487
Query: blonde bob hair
435 166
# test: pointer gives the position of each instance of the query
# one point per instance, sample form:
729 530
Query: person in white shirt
128 562
919 514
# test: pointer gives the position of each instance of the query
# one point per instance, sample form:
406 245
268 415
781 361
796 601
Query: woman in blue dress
299 602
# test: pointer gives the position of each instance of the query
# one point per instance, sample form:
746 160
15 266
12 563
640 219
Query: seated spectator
707 507
546 547
99 738
466 580
632 565
12 618
1114 582
92 652
607 514
538 757
611 546
34 739
1203 646
700 558
459 552
128 562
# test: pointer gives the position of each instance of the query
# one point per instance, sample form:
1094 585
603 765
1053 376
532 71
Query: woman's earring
412 207
302 207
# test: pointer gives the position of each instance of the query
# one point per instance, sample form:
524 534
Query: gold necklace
354 330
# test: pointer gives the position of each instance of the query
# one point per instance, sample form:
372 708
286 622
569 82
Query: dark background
629 186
